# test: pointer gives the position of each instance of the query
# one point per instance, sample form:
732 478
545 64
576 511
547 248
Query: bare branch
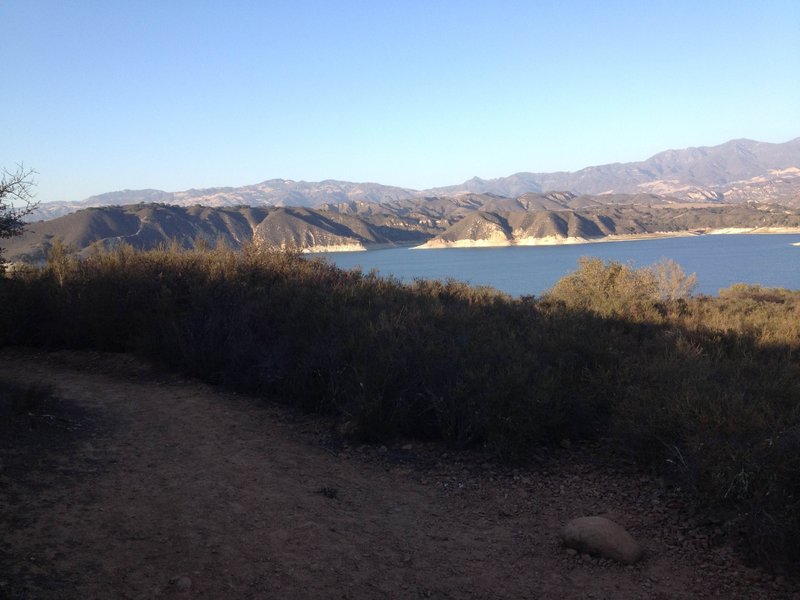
16 202
17 186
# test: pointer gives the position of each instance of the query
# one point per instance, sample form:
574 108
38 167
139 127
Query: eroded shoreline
559 241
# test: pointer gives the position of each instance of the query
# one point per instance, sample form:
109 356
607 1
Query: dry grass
703 390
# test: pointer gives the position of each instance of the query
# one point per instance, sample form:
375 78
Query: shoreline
562 241
553 240
353 248
359 247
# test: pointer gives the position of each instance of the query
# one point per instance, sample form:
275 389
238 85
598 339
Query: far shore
554 240
350 248
558 240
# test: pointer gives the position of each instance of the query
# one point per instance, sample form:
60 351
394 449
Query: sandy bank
336 248
555 240
346 248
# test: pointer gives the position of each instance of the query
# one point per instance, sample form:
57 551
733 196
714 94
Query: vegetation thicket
704 390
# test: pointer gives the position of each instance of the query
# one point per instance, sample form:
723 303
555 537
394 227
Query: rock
603 537
182 584
348 429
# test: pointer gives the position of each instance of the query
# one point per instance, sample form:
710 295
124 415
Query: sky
108 95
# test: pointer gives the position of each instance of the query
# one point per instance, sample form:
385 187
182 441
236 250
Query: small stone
603 537
182 584
571 551
408 447
348 429
383 449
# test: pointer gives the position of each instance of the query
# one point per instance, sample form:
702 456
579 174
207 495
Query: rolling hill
474 220
609 222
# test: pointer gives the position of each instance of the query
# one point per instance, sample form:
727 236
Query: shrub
704 390
615 289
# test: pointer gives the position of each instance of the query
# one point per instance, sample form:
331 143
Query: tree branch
16 199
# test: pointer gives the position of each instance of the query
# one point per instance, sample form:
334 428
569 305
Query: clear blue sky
110 94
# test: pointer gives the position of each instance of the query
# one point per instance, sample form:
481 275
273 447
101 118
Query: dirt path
158 487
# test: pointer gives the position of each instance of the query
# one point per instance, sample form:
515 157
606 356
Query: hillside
728 172
142 226
736 171
274 192
469 220
305 228
146 226
609 222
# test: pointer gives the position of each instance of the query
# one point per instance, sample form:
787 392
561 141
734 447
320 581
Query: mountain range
693 173
736 171
738 186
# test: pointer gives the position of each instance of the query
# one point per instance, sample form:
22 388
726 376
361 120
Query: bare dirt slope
145 485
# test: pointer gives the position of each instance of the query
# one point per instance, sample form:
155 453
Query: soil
140 484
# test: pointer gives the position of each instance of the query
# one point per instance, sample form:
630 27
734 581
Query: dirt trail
165 487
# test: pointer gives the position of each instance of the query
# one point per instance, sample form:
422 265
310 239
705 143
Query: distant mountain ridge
691 173
736 171
274 192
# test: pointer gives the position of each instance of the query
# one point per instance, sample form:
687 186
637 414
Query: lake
719 261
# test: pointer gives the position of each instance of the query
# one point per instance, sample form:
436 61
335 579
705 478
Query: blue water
718 260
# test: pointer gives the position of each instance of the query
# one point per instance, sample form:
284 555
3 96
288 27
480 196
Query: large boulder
602 537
